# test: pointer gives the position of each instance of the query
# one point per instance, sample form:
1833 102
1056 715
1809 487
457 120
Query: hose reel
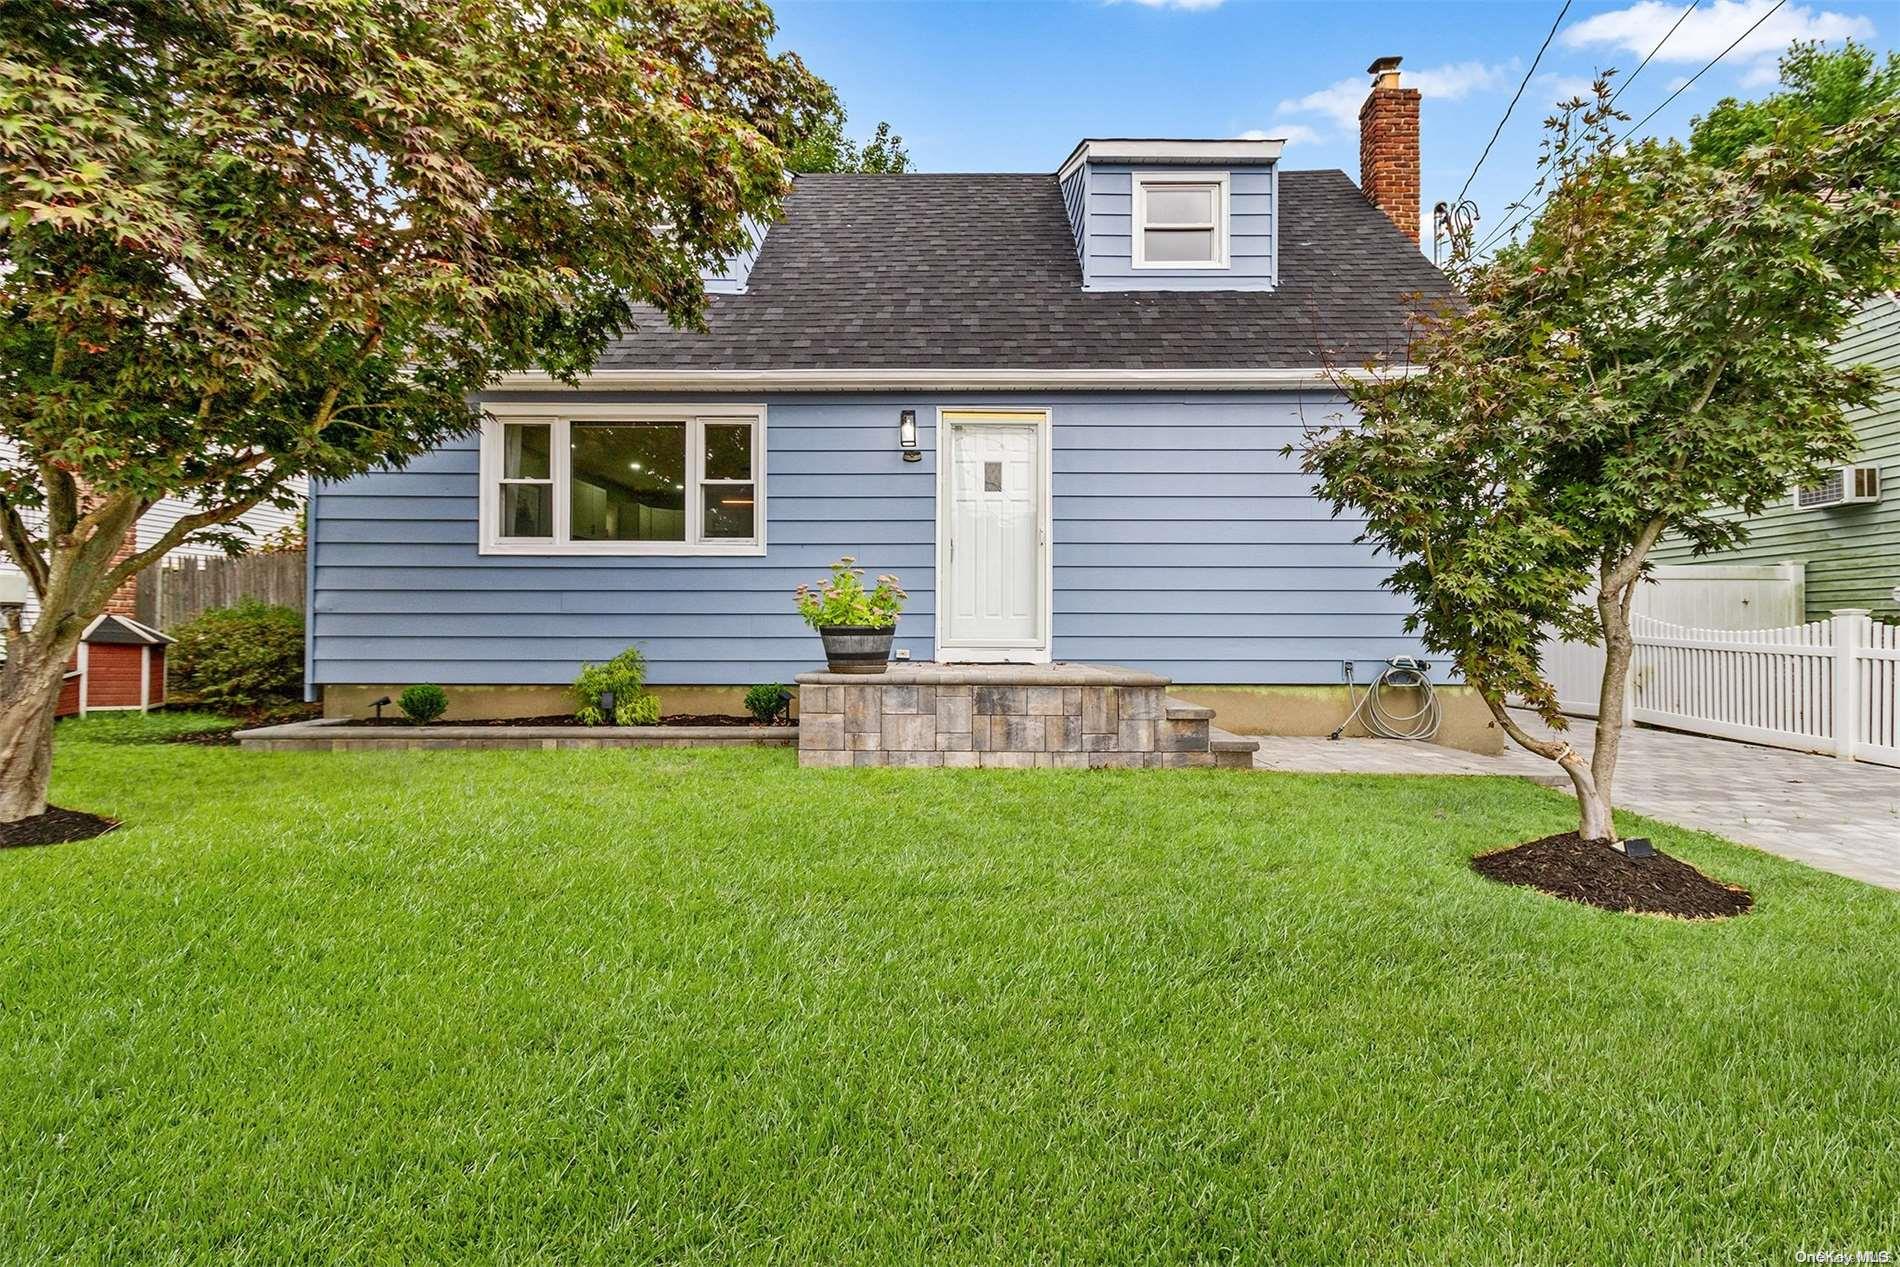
1372 709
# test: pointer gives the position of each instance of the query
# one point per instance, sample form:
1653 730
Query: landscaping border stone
343 734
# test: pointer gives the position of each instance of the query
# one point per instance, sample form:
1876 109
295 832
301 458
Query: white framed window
622 480
1181 220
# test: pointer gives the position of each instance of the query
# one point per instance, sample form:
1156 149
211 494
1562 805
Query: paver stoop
1057 716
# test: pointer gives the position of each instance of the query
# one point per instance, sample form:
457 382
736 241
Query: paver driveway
1842 816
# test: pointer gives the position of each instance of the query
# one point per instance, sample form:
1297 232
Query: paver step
1181 710
1219 740
1231 751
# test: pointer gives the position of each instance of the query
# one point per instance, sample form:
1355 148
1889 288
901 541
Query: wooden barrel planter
856 649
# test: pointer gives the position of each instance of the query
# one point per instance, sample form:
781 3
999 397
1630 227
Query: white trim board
557 417
808 380
1042 419
1154 150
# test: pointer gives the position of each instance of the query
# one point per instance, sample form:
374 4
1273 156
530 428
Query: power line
1502 230
1521 85
1682 88
1705 70
1680 17
1623 87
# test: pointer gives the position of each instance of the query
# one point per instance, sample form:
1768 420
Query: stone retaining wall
910 722
338 735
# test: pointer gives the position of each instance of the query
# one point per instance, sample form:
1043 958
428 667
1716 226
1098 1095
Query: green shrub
629 710
625 675
238 659
765 701
423 703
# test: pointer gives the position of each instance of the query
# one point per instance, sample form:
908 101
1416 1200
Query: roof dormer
1174 215
733 273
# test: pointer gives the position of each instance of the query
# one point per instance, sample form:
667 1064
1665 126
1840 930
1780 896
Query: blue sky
995 85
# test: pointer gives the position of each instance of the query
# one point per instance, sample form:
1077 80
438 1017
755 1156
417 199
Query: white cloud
1564 87
1339 102
1291 133
1173 4
1458 80
1710 28
1765 72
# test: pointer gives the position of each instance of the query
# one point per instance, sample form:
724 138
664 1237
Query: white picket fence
1700 596
1826 686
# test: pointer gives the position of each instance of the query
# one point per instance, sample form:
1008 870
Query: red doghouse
120 664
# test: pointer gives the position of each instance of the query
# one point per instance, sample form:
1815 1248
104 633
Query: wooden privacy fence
1826 686
182 586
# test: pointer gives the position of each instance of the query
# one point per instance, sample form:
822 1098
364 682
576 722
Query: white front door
992 526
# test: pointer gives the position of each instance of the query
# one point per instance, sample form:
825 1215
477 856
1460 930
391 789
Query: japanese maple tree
1656 349
243 241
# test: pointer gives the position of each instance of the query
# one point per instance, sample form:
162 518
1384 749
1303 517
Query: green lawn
704 1007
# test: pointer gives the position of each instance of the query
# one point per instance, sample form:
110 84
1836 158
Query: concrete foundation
479 703
1245 710
1318 710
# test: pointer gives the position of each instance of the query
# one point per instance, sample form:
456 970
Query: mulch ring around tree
1568 866
55 827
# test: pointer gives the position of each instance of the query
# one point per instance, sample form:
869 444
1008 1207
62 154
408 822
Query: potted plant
855 624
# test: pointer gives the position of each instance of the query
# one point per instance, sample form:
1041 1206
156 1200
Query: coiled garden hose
1402 673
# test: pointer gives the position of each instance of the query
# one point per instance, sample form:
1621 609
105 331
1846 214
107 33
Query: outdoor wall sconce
13 588
13 594
907 435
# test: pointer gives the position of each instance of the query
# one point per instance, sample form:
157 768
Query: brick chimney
125 599
1388 147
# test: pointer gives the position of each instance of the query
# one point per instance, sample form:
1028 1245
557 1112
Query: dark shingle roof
112 629
980 271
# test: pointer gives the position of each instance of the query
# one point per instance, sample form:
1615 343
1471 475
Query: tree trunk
74 578
29 691
1617 580
1595 821
1619 648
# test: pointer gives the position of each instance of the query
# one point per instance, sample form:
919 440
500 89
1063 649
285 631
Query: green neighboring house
1852 551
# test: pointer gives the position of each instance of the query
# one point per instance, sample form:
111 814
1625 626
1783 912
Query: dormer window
1173 214
1181 220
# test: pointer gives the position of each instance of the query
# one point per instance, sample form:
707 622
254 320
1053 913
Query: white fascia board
824 380
1135 150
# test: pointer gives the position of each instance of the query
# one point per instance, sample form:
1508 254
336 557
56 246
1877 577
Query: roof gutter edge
821 380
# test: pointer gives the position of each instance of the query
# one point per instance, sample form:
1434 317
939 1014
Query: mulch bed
55 827
1568 866
561 719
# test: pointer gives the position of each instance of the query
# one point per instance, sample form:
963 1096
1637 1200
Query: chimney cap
1385 68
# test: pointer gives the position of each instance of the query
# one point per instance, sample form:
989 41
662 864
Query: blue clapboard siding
731 278
1184 542
1108 242
1075 202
